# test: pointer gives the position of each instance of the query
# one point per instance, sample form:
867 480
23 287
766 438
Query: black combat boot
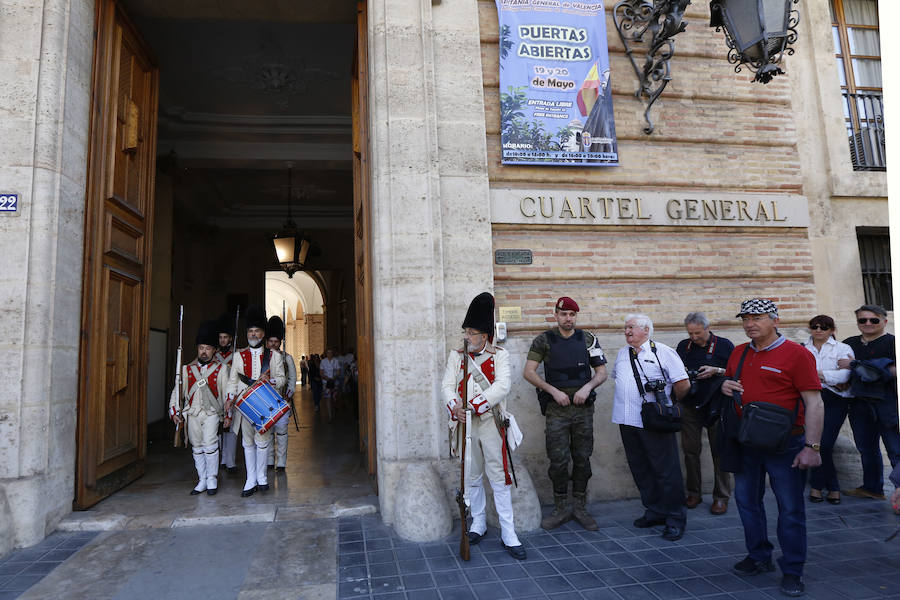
580 513
562 512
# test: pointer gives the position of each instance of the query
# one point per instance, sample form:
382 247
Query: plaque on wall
512 257
511 314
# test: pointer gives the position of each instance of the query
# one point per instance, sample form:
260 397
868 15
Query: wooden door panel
362 242
111 431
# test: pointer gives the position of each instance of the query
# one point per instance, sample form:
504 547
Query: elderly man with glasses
873 413
641 368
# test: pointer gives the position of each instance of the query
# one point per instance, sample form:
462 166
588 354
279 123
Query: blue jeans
787 484
836 407
868 424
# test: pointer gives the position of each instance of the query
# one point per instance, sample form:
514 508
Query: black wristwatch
816 447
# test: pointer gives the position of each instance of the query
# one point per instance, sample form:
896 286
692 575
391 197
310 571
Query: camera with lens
692 376
658 388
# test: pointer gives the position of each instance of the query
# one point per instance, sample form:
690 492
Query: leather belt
798 430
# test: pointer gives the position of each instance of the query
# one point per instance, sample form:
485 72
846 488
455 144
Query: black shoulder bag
764 426
656 416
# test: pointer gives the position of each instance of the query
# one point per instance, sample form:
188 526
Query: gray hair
697 318
872 308
641 320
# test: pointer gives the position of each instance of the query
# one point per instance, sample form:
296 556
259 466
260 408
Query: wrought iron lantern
291 247
660 21
758 33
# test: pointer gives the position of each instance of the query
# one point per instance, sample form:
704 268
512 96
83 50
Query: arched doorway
240 98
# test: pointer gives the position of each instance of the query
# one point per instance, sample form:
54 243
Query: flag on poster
555 100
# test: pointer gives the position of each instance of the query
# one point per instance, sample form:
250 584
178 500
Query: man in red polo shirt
778 371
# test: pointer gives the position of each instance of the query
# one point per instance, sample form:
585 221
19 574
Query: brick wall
715 132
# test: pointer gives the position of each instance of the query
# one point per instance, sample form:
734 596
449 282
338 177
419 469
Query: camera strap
737 373
656 356
632 355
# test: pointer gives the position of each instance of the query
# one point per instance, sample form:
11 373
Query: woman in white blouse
827 350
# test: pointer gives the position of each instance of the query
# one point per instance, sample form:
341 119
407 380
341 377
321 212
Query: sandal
813 497
833 499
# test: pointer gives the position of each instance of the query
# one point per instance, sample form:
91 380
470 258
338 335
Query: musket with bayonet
180 440
226 423
464 550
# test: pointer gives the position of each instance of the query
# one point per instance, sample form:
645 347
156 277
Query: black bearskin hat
226 324
480 315
256 317
275 328
208 334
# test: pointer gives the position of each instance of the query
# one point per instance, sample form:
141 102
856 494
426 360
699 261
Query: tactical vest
568 364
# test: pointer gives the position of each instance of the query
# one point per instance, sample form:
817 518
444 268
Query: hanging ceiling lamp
291 247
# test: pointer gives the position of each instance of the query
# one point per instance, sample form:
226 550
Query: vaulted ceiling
247 90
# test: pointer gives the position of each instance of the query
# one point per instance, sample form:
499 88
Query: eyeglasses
872 320
820 327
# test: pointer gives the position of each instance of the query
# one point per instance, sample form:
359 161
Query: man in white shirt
331 371
652 456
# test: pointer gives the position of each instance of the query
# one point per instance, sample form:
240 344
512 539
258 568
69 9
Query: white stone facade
432 242
45 69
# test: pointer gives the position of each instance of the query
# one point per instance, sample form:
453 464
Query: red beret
566 303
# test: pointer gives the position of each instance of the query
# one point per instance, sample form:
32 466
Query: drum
262 405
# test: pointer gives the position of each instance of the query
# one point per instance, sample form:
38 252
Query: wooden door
362 228
111 431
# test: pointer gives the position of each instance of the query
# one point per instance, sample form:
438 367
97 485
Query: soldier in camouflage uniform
574 365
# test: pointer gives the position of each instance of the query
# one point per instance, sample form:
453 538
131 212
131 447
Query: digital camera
658 388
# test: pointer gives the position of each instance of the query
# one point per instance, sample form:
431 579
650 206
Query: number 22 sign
9 202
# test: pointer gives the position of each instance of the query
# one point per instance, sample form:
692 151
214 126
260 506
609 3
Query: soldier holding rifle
250 365
199 401
476 381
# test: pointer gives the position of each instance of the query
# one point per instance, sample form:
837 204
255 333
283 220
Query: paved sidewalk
848 558
360 558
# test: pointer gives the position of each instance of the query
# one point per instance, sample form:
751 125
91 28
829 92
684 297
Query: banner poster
555 99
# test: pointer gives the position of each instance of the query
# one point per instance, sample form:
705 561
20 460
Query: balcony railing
864 117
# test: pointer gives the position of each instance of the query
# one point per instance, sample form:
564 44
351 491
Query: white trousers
278 450
203 429
206 461
248 431
256 451
486 448
228 443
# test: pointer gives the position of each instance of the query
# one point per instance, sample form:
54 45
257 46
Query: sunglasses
819 327
872 320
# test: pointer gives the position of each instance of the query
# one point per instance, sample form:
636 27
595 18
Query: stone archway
300 302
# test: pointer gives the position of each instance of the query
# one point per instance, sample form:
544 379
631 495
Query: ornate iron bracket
662 19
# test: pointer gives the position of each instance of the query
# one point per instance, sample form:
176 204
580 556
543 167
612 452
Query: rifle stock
180 434
464 550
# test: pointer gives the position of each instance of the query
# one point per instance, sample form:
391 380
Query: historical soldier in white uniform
256 362
200 402
224 354
484 394
278 450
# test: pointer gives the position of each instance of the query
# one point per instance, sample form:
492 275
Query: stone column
46 52
431 234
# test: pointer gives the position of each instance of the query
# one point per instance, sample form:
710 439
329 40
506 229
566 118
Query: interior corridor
325 477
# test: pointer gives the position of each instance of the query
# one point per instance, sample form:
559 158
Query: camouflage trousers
569 432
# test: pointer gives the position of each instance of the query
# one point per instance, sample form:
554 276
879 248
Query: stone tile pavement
360 558
848 558
23 568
